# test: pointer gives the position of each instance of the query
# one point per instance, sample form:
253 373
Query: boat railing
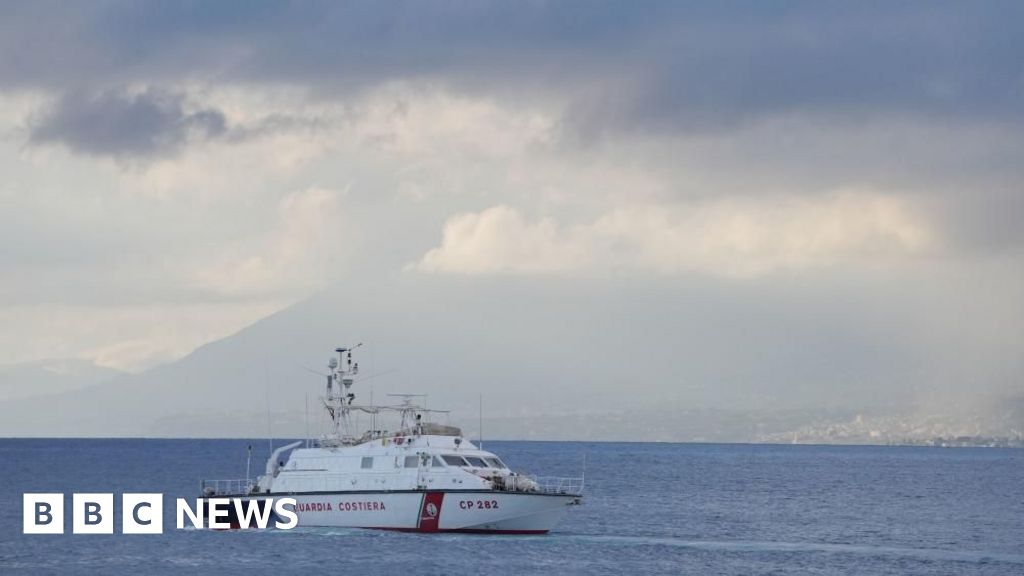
570 486
226 487
559 484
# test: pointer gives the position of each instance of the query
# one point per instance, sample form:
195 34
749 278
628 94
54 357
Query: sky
834 187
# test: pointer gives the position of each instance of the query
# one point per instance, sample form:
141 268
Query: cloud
661 66
731 237
126 336
576 143
119 123
294 256
500 240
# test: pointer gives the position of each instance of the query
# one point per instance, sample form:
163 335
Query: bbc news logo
93 513
144 513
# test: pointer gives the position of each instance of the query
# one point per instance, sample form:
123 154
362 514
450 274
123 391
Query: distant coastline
959 442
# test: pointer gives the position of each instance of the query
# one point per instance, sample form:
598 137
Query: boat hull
429 511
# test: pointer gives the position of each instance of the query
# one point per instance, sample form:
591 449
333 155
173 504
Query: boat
424 476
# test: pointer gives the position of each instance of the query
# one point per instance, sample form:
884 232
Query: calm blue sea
649 509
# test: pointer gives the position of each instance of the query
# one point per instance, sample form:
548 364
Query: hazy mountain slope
547 347
531 347
52 376
512 347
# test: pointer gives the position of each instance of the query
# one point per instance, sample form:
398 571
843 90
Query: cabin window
367 462
495 463
436 462
478 462
453 460
412 461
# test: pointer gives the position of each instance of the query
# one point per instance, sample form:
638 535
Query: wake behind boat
424 477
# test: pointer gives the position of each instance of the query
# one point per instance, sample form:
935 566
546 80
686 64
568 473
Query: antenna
583 476
481 416
373 368
266 390
408 395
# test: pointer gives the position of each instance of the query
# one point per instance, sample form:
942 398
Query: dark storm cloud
118 124
642 65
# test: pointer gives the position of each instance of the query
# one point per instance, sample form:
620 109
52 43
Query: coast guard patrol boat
422 477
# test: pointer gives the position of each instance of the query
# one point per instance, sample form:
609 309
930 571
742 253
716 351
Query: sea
649 508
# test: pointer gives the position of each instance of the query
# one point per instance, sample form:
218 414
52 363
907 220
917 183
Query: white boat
422 477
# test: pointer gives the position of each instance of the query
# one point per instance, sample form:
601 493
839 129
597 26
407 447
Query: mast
339 398
339 403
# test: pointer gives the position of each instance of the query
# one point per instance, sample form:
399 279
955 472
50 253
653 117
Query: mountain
52 376
518 345
550 358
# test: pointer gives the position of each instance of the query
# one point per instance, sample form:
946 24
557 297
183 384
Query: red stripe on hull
430 513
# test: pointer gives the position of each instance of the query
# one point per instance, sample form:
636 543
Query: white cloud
499 239
416 121
126 337
732 237
247 225
291 258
